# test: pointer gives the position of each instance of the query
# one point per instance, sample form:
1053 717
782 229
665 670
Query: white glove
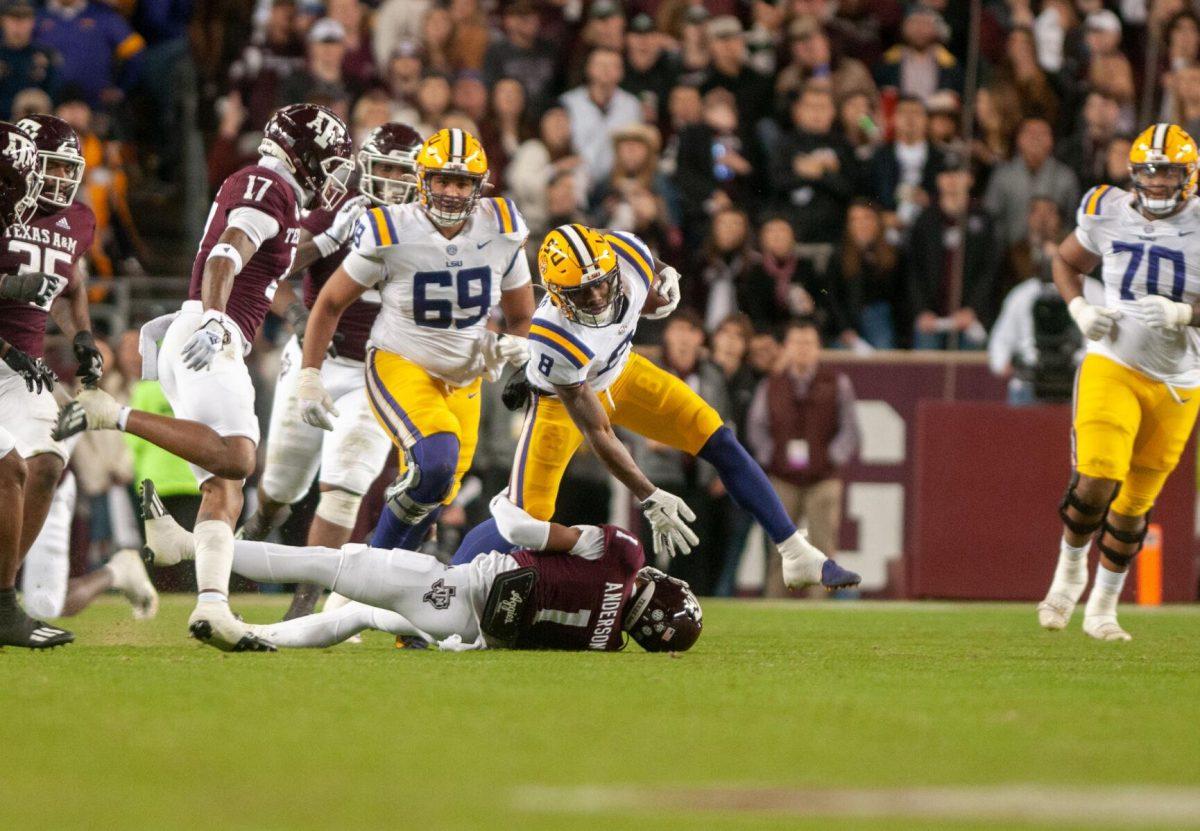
669 517
1094 321
668 288
335 236
1164 313
454 643
315 404
500 350
204 344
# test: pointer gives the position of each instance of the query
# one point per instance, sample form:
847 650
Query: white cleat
130 578
1105 628
167 543
1054 613
212 622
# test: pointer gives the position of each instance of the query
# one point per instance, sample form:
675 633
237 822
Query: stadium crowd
796 160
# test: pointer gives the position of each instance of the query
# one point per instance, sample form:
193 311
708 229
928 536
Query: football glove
204 344
517 391
668 288
316 406
1094 321
1163 313
31 287
501 350
37 375
669 516
338 232
91 362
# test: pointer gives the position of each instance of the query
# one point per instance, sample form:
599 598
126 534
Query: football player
585 378
355 451
441 265
248 246
24 378
1136 394
576 588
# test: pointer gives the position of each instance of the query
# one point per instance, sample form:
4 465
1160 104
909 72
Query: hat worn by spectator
17 8
804 27
1103 21
724 26
604 9
943 29
647 134
327 30
642 24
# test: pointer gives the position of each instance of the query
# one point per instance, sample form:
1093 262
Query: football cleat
408 642
213 623
23 631
167 543
130 578
1105 628
834 576
1054 613
257 528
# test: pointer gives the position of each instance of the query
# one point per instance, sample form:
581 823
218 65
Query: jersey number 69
472 290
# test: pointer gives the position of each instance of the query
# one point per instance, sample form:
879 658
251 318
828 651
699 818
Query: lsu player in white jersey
441 265
585 378
1138 389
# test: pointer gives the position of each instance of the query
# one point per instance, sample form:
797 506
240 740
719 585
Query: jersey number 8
473 289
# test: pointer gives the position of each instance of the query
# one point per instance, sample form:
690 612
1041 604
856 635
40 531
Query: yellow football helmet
1163 149
450 152
579 269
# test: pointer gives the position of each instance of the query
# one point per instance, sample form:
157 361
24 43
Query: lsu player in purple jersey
352 454
580 588
20 186
198 353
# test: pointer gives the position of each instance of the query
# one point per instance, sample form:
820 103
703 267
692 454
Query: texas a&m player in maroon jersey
350 456
24 379
575 588
248 245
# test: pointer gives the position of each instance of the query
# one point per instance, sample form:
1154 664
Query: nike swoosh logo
1185 233
489 242
472 394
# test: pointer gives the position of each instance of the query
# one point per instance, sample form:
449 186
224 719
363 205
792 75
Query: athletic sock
747 484
214 558
9 607
1106 591
481 539
1070 575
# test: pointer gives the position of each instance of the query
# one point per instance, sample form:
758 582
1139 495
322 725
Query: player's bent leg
549 438
331 527
481 539
1082 512
428 478
336 626
44 472
46 573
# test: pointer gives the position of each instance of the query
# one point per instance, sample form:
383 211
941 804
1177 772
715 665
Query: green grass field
786 715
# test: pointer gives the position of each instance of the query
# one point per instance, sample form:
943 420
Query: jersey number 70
1154 255
471 291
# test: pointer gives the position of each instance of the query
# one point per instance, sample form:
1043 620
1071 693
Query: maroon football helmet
663 614
396 145
315 144
20 180
60 159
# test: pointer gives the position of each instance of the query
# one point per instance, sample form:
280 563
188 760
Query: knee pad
1070 500
1135 538
428 477
339 507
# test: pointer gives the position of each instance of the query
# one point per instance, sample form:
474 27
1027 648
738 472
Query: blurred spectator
693 42
404 72
781 285
1033 254
1187 99
470 40
903 172
370 111
598 109
811 169
726 261
322 76
503 127
521 54
101 54
859 125
869 284
397 21
266 62
562 205
1085 150
30 101
1032 171
997 113
765 35
803 428
764 354
1116 162
945 115
1050 29
437 34
731 352
1108 69
729 70
469 96
603 28
540 159
23 63
920 65
711 168
358 61
811 58
432 104
1021 72
950 224
1183 50
650 70
635 167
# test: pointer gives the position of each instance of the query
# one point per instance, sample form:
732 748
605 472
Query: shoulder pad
504 214
1100 200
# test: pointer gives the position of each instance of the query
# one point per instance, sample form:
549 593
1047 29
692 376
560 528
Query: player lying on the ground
1138 389
572 588
585 378
352 454
48 588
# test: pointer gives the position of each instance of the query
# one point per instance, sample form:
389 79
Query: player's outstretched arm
523 531
517 306
337 295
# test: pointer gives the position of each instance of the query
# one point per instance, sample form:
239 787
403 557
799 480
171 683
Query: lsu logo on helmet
1162 163
573 262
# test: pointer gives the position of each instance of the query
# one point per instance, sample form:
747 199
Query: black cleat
26 632
152 507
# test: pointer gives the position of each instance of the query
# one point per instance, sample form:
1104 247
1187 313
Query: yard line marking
1132 807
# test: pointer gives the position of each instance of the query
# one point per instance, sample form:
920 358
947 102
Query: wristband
326 244
123 417
224 249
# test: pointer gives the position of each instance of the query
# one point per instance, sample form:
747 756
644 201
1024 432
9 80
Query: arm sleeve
256 224
364 263
591 542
